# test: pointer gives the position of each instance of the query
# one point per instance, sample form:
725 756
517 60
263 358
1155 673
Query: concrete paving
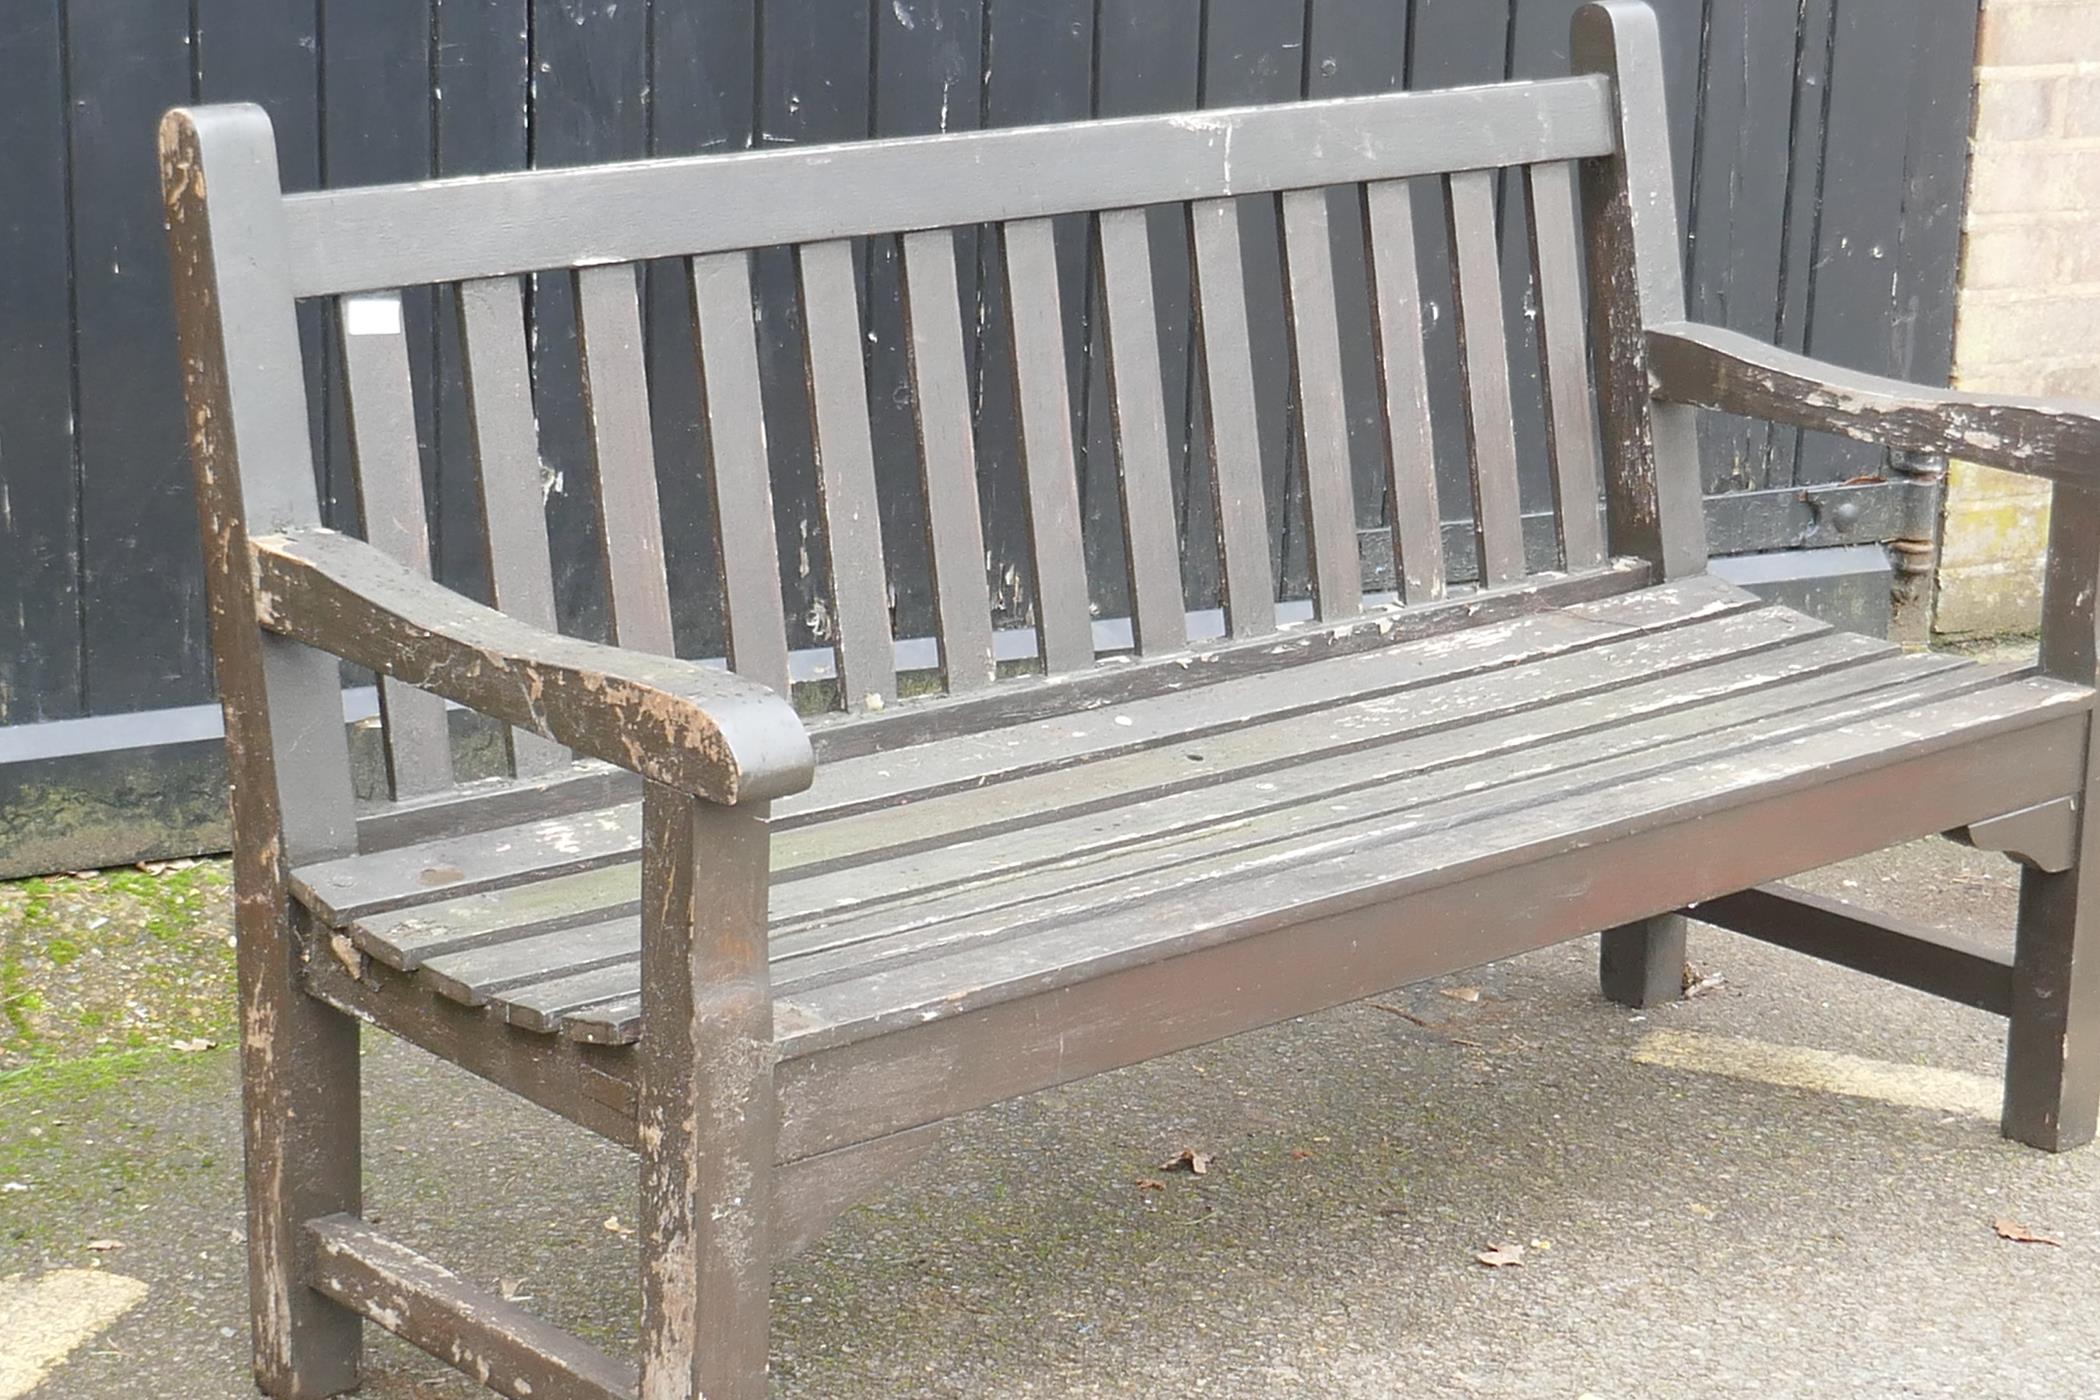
1686 1231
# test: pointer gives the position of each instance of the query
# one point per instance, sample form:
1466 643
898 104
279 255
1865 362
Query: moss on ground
105 971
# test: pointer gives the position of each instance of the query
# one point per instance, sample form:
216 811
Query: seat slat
1250 891
1064 622
1151 539
1226 366
1096 812
1034 929
472 976
389 470
948 461
991 794
738 469
1403 385
1322 416
1571 415
365 884
1483 357
616 403
838 387
508 475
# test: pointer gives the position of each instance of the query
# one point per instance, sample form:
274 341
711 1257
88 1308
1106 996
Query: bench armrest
700 730
1708 367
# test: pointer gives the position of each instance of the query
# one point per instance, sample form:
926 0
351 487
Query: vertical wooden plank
703 57
1630 211
1571 421
813 85
481 66
708 1118
590 85
1230 436
1808 121
1148 58
1037 68
1738 212
286 751
1412 511
1151 543
738 468
1253 51
509 474
387 470
1316 387
1042 398
616 403
838 392
1483 357
926 80
143 593
1452 45
947 454
40 635
1355 48
376 128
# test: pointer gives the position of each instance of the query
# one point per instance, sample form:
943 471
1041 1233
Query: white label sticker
372 316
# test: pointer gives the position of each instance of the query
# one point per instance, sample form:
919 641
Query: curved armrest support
691 727
1708 367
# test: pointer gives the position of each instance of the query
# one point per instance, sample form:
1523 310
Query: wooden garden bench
773 953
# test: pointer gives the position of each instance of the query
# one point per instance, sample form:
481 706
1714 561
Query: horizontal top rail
453 230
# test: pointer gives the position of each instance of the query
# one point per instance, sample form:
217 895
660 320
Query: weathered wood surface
1074 820
1709 367
701 730
1945 964
285 748
494 1341
455 230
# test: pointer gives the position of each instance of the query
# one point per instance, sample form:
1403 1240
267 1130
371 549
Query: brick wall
2029 315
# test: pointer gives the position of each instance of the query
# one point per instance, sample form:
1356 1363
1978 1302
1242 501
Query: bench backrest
1189 183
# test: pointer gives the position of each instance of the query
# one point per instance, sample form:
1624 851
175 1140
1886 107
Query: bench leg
299 1099
1642 964
708 1115
2052 1070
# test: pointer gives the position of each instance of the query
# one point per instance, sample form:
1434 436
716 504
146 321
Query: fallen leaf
614 1227
512 1290
192 1047
1189 1159
1299 1154
2019 1234
1502 1256
1146 1183
103 1246
1704 986
83 874
1460 993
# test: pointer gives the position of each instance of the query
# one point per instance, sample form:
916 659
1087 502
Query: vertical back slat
616 400
1151 542
838 390
507 474
948 460
1323 420
738 472
1483 358
1064 622
1226 370
1571 419
389 470
1413 512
